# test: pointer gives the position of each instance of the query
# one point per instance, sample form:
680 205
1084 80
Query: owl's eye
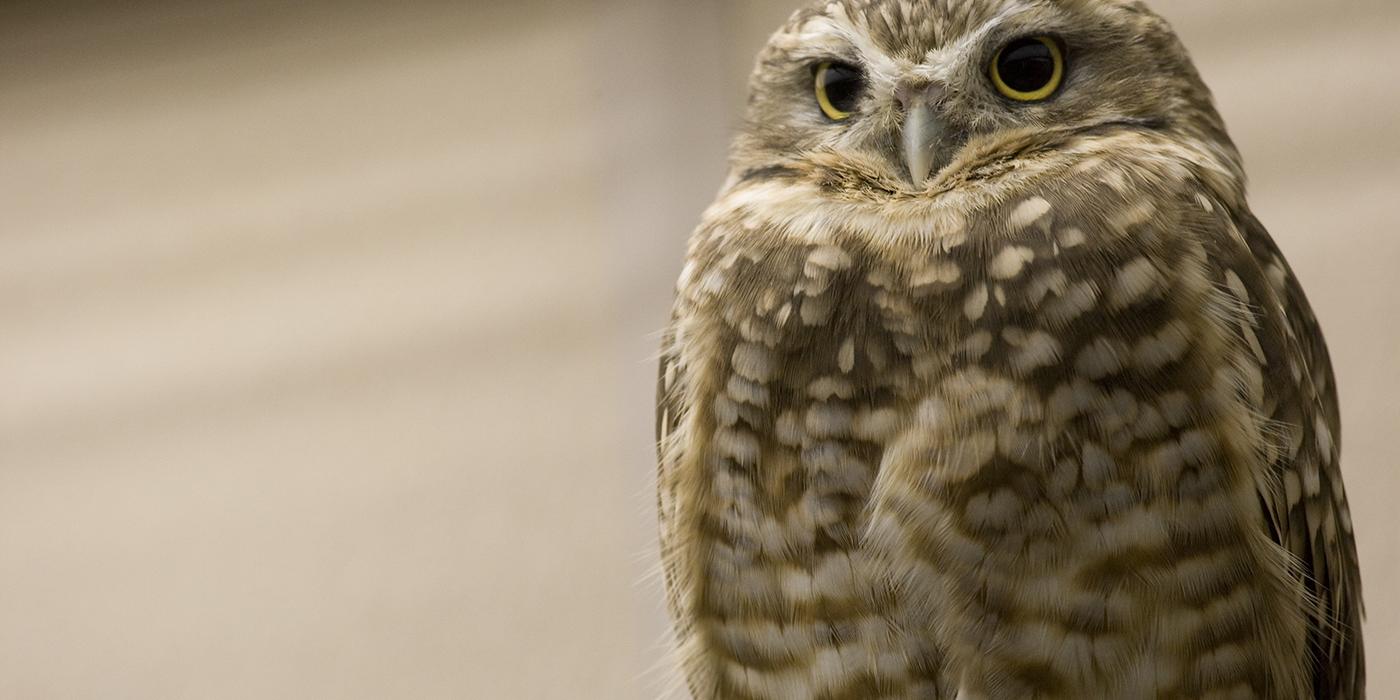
1029 69
838 89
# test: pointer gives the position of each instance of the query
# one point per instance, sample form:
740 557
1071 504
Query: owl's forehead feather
910 30
927 25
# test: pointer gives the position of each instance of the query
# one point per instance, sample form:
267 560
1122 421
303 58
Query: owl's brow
837 23
997 22
1000 19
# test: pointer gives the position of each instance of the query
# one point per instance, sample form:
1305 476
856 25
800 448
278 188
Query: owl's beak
922 130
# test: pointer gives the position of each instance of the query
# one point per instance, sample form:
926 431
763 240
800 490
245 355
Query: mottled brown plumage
1056 422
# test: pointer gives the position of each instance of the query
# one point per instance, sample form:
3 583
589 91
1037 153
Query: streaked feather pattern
1060 424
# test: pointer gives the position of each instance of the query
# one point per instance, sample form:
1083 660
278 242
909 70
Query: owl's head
904 97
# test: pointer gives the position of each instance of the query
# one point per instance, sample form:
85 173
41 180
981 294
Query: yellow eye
838 89
1029 70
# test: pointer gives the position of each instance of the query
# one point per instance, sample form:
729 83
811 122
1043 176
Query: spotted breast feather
1047 450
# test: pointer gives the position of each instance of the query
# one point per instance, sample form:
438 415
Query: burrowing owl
983 381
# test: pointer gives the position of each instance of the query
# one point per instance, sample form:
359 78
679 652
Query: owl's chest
811 385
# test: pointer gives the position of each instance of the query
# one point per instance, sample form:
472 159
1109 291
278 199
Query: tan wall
326 328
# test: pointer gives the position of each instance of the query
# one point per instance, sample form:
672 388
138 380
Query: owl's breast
809 376
1015 456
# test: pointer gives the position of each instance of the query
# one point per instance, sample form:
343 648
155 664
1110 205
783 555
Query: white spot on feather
753 362
831 258
824 388
1033 351
846 358
1100 359
738 445
1028 212
1010 261
1324 438
829 420
1312 479
1135 282
936 274
1167 346
816 310
1133 216
875 425
976 346
1072 237
1051 282
1076 301
976 304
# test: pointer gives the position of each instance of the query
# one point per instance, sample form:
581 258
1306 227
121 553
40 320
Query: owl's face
903 97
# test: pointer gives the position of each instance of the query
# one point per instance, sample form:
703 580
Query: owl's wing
1303 495
1103 301
670 410
671 428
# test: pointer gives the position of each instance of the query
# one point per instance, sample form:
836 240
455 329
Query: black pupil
1026 65
842 85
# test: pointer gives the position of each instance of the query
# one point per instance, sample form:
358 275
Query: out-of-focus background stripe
326 328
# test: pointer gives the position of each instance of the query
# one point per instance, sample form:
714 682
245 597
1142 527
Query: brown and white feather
1058 424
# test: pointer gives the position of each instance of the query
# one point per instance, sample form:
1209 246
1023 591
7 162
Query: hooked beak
922 130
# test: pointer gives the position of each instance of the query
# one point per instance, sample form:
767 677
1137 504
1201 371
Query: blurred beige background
326 328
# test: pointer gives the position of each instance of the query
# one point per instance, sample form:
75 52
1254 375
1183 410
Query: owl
983 382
